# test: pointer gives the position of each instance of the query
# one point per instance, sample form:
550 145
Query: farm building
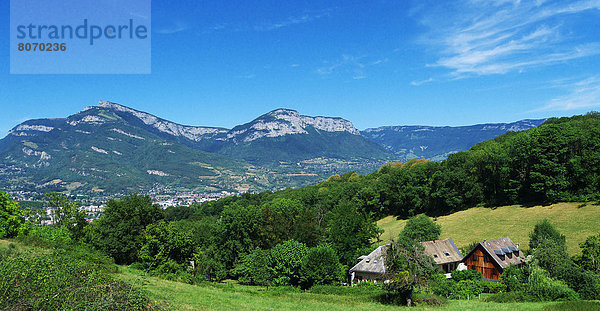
370 267
492 257
445 254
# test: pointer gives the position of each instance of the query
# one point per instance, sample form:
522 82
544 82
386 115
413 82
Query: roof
503 251
372 263
442 251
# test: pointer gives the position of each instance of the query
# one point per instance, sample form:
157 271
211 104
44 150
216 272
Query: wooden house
370 267
492 257
445 254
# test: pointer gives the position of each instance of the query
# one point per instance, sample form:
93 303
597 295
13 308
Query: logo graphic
80 37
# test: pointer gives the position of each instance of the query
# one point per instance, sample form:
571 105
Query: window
447 254
435 256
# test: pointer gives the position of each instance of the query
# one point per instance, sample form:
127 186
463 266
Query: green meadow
232 296
576 221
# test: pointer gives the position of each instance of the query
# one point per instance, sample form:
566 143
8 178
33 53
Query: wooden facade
490 258
483 263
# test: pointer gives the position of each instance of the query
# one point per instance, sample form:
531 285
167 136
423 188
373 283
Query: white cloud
293 20
174 28
482 37
582 94
417 83
349 64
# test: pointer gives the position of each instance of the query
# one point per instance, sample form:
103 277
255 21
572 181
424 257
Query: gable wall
482 262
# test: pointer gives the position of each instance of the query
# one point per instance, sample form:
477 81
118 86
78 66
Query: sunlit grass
233 296
574 220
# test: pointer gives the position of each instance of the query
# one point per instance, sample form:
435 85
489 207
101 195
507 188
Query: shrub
286 262
493 287
469 274
544 231
514 279
467 289
442 286
63 280
45 236
321 265
590 253
544 288
11 216
253 268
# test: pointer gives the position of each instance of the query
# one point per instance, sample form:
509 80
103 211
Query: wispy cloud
171 29
294 20
419 82
580 94
303 18
349 64
502 36
248 76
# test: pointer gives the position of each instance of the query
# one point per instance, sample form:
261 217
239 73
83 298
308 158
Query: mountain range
110 148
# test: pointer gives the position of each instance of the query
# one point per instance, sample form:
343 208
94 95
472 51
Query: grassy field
231 296
575 220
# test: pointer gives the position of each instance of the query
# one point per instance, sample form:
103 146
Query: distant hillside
576 221
98 150
111 148
285 135
437 142
555 162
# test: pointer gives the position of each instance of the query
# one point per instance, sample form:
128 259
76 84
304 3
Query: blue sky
223 63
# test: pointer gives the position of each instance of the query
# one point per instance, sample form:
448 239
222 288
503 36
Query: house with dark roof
445 254
492 257
370 267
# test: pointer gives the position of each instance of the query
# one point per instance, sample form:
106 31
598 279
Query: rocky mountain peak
283 121
194 133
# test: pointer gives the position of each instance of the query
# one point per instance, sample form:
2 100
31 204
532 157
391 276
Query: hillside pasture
576 221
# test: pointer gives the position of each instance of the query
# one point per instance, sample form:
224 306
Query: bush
469 274
63 280
286 262
493 287
514 279
321 265
253 268
11 216
45 236
467 289
442 286
544 288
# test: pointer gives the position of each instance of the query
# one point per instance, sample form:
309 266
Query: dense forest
272 238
